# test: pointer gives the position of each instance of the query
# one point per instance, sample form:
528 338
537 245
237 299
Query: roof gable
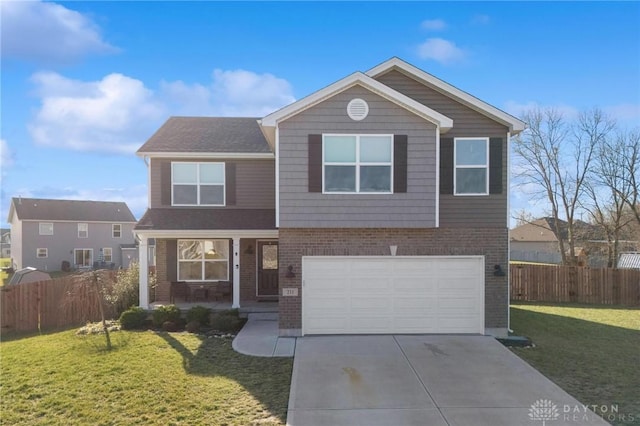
515 125
70 210
445 123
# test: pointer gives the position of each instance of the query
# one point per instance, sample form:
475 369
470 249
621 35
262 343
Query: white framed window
45 228
116 230
357 164
42 253
83 230
107 254
203 260
471 166
197 184
83 257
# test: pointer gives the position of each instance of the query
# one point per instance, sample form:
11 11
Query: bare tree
608 189
631 143
555 158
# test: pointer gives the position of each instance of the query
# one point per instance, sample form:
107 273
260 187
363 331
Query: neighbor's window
116 230
83 257
107 254
83 230
471 160
42 252
197 184
357 163
46 228
203 260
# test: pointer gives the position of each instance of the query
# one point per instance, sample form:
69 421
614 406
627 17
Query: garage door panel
417 294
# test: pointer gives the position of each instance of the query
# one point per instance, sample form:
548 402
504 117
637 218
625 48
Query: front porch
216 269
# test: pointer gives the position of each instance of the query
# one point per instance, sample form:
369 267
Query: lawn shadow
596 363
215 357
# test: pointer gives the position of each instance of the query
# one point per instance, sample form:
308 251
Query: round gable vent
357 109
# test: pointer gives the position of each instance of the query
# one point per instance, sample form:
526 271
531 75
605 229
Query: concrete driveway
422 380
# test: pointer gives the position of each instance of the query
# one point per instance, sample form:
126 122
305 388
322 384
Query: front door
267 268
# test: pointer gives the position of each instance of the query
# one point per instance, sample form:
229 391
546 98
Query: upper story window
116 230
83 230
357 163
471 163
45 228
197 184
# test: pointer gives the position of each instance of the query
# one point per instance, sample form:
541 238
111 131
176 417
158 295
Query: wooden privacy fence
557 283
47 305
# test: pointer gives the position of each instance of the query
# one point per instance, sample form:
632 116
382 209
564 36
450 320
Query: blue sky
86 83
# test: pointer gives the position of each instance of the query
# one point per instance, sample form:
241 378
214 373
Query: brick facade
490 242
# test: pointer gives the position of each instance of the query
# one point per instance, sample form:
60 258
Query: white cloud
48 32
433 25
440 50
624 113
115 114
6 155
118 113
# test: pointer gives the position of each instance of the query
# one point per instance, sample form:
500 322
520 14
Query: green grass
149 378
592 352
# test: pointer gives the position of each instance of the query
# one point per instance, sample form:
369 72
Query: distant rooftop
75 210
208 134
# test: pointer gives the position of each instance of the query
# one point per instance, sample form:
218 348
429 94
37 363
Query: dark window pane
185 194
471 181
340 178
211 194
375 179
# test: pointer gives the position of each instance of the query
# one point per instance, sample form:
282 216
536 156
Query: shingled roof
74 210
207 219
208 134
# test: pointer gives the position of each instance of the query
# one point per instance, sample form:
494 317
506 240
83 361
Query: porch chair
180 289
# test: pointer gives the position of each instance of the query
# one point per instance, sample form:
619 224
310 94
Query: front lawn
592 352
149 378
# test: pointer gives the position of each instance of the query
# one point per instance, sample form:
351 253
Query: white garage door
384 294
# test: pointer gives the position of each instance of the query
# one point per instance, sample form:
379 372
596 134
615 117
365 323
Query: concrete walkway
259 337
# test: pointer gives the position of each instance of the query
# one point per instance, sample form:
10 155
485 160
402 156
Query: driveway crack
421 382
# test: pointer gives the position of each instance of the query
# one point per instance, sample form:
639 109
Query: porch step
263 316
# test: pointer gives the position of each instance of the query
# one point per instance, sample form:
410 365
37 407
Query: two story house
45 233
377 204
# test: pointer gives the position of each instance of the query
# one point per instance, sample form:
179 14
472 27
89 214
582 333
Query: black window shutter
399 163
230 183
165 183
495 165
446 165
315 163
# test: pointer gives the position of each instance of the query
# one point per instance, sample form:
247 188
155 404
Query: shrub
192 326
230 313
200 314
125 290
166 313
133 318
169 326
226 323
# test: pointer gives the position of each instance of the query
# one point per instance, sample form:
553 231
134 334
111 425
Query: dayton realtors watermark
546 411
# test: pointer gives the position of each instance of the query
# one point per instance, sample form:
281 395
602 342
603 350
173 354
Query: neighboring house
537 241
629 261
46 233
5 243
377 204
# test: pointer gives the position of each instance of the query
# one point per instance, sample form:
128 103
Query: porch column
143 263
236 272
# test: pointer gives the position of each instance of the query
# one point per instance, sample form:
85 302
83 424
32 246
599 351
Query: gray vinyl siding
16 242
255 183
65 239
460 211
301 208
